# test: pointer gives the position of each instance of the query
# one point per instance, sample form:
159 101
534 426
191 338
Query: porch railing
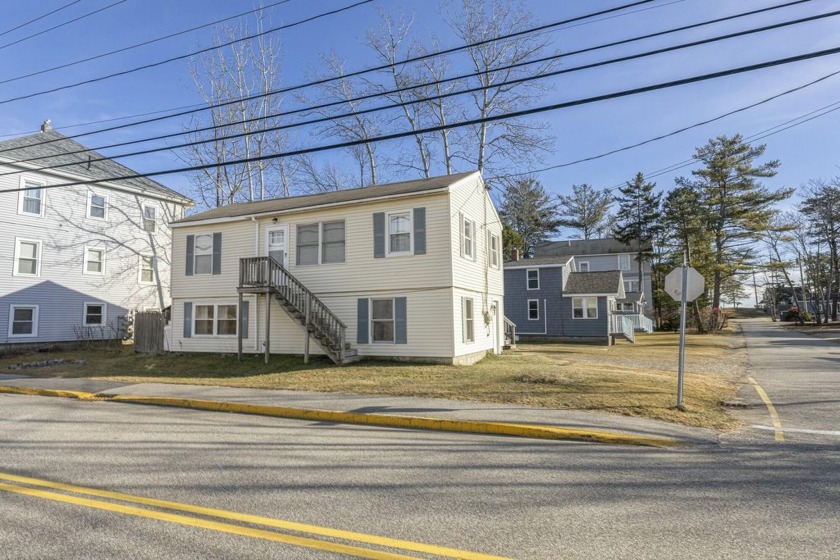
621 324
510 333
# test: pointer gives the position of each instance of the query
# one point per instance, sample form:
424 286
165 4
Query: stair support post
308 306
267 325
239 330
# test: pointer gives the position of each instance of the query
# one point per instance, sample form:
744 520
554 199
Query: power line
470 122
357 113
181 57
672 133
345 76
53 28
22 25
143 44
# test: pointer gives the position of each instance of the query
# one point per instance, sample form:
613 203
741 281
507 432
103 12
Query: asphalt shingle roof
53 148
584 283
541 261
335 197
586 247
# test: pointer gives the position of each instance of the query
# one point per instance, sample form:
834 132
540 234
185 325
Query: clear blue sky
807 151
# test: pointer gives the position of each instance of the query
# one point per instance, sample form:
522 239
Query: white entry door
276 240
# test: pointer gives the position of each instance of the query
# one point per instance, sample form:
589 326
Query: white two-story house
409 270
77 259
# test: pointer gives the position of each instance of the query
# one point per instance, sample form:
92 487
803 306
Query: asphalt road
486 494
800 376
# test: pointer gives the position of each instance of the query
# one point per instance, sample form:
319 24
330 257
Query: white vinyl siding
31 200
533 276
94 261
97 206
27 257
585 308
95 314
23 321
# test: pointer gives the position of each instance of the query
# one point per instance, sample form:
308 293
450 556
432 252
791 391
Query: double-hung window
94 261
31 198
382 320
23 321
321 243
94 314
585 308
203 254
469 320
307 244
399 233
332 242
215 320
494 251
97 206
631 285
468 238
147 269
533 275
533 310
623 262
149 218
27 257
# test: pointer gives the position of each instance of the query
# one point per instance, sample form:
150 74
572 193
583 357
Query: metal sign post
684 284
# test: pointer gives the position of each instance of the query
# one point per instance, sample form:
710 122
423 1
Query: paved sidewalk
382 408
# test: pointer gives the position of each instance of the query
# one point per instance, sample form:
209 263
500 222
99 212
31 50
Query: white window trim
85 261
320 242
473 238
581 265
388 252
18 241
143 217
91 194
529 310
215 307
585 307
393 319
23 181
35 317
629 263
104 314
631 283
140 270
464 317
196 254
497 253
528 282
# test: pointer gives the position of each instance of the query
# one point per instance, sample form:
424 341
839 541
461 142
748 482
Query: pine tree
638 219
528 211
586 210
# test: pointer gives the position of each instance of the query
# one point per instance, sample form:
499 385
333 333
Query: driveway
794 392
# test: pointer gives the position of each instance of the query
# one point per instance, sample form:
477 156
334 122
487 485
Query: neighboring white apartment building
78 258
409 270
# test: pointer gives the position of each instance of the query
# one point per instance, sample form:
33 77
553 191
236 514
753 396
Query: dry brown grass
634 380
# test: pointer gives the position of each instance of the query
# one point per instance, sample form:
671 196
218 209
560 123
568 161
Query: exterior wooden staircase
264 275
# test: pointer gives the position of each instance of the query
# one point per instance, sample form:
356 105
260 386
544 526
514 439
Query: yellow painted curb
412 422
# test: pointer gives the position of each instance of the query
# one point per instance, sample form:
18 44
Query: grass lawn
635 380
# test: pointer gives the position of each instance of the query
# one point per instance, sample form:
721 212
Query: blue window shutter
362 321
243 318
379 235
400 324
217 253
419 231
190 254
187 319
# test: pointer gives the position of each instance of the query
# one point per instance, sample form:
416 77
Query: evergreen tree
736 206
638 219
529 212
586 210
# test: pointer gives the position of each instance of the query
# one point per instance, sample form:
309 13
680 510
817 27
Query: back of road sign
695 284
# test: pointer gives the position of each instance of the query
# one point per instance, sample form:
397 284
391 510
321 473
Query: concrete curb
532 431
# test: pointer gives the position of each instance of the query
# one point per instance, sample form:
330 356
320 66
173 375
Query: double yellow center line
72 494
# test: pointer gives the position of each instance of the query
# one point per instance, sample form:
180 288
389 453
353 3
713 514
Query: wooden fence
149 332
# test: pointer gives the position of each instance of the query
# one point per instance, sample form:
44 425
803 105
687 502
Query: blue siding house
548 299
